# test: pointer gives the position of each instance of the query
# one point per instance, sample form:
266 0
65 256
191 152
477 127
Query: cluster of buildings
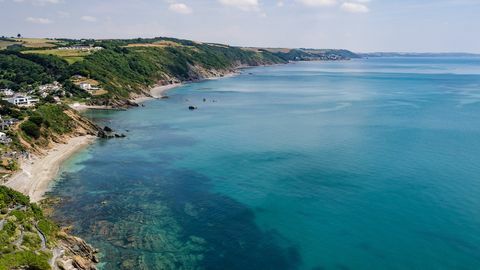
18 99
81 48
27 99
5 124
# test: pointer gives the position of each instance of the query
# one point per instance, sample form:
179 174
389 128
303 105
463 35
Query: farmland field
71 56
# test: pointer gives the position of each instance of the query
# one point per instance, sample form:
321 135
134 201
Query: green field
4 44
37 42
71 56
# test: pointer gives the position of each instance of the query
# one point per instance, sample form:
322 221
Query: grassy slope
20 243
71 56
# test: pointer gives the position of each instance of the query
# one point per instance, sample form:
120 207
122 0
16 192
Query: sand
156 92
37 173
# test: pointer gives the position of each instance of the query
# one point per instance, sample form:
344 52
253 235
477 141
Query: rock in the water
107 129
191 108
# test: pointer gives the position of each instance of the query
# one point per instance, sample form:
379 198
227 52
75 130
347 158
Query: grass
4 44
161 44
37 42
71 56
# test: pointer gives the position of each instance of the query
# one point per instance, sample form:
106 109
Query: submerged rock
191 108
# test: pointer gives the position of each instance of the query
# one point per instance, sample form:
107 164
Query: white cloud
280 4
39 2
180 8
318 3
39 20
88 18
354 7
43 2
241 4
63 14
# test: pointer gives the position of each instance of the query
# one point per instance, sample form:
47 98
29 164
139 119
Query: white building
22 101
7 92
51 87
88 87
85 86
4 139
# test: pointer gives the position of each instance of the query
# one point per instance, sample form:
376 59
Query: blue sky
359 25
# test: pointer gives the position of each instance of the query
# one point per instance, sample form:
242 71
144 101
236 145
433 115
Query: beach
156 92
36 173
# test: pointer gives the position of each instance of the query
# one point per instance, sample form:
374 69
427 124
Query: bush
31 129
36 119
25 260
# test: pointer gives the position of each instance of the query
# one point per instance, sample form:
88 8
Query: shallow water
364 164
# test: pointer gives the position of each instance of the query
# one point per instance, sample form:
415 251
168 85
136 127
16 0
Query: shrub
31 129
36 119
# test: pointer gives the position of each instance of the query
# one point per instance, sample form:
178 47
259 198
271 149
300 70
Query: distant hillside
123 68
400 54
304 54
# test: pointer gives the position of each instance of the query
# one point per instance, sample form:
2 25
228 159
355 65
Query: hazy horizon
443 26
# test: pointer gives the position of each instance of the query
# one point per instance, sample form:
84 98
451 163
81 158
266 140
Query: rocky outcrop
109 133
73 253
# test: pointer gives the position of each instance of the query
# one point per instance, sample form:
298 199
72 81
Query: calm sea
363 164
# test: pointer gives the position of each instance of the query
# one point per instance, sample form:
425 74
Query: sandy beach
157 92
37 172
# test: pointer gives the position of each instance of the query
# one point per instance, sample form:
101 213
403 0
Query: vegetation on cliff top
26 235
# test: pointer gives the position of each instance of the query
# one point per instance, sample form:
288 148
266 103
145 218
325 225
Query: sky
357 25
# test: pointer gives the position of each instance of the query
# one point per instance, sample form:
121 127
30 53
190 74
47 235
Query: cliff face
53 124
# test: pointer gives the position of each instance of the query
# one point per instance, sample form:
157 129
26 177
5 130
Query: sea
363 164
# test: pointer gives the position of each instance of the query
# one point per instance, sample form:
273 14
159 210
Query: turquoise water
364 164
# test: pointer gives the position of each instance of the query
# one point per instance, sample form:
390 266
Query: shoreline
156 92
37 173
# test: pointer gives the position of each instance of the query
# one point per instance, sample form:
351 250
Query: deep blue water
364 164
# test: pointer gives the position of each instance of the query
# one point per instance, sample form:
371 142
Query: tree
31 129
19 35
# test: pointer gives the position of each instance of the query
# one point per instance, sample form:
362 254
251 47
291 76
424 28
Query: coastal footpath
43 93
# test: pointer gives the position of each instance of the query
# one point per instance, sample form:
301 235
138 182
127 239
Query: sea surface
362 164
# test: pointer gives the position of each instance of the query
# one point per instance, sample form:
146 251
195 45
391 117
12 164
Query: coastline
156 92
37 173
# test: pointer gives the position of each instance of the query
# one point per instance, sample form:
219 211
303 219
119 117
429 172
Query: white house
85 86
88 87
4 138
7 92
22 101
